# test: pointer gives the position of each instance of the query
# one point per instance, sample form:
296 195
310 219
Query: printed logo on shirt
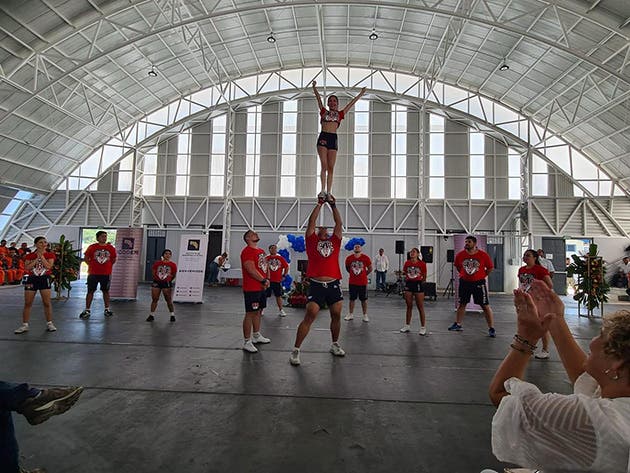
39 268
262 262
325 248
356 267
525 280
413 272
101 256
471 266
163 272
331 116
274 264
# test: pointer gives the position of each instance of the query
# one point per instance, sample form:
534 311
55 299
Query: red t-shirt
257 255
323 257
331 116
473 267
415 271
276 264
357 267
39 269
101 258
164 271
527 275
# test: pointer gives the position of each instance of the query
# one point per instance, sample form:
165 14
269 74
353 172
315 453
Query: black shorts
325 293
274 288
476 289
327 140
162 284
255 300
98 279
37 283
415 287
359 292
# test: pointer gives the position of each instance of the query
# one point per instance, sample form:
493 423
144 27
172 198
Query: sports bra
331 115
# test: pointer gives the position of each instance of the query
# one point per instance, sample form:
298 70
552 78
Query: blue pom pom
354 241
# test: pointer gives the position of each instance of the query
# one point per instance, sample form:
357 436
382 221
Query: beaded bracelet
521 340
527 352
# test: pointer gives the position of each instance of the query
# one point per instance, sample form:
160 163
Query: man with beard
255 284
359 266
100 258
278 268
474 266
324 276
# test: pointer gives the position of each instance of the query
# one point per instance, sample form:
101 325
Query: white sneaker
21 329
423 331
336 350
50 327
260 339
349 317
282 313
405 328
542 354
366 318
294 359
249 346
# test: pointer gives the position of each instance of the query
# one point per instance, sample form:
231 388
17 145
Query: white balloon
283 243
344 240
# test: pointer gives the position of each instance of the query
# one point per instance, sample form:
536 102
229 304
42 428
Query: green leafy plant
592 287
66 267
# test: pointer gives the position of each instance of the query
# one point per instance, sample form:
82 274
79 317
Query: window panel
216 186
361 143
436 123
477 143
514 188
361 166
218 142
540 184
148 184
436 143
360 189
477 165
436 166
436 188
477 188
289 143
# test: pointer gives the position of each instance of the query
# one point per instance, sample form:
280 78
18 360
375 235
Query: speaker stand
450 289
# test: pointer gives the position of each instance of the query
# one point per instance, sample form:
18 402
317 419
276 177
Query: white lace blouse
562 433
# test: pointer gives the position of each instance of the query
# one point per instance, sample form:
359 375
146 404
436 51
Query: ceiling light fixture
271 38
152 72
373 36
504 67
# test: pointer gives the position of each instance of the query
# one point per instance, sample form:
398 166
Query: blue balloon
291 238
354 241
285 254
299 245
286 282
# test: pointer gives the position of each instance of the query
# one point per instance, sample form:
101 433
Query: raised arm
312 220
350 104
320 104
338 231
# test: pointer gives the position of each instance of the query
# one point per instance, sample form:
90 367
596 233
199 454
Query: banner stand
126 270
191 268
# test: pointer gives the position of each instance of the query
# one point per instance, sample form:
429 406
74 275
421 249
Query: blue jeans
12 395
213 276
380 279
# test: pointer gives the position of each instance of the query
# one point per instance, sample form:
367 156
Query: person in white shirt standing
545 263
625 267
382 265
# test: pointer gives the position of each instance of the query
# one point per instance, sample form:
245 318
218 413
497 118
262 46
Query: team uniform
325 139
415 275
254 295
276 264
472 276
163 274
357 267
527 275
101 259
39 276
323 261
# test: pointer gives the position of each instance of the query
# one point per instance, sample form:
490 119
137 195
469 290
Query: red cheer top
257 255
331 115
473 267
39 269
527 275
163 271
415 271
357 267
323 257
277 265
100 258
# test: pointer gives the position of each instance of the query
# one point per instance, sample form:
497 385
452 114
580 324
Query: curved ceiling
73 74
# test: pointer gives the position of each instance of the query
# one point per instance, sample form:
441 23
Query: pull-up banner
126 270
191 266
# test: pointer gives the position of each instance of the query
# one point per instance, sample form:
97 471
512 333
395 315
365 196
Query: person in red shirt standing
278 268
415 271
100 257
164 272
359 266
255 284
324 274
526 275
474 266
39 266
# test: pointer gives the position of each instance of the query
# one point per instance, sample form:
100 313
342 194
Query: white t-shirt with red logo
257 255
357 267
276 264
323 257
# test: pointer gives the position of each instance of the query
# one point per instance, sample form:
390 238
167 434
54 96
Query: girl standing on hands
327 141
39 266
415 271
164 272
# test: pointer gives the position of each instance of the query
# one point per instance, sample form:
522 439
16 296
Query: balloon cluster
297 243
286 282
285 254
352 242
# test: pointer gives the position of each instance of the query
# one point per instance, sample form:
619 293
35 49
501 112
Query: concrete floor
184 397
